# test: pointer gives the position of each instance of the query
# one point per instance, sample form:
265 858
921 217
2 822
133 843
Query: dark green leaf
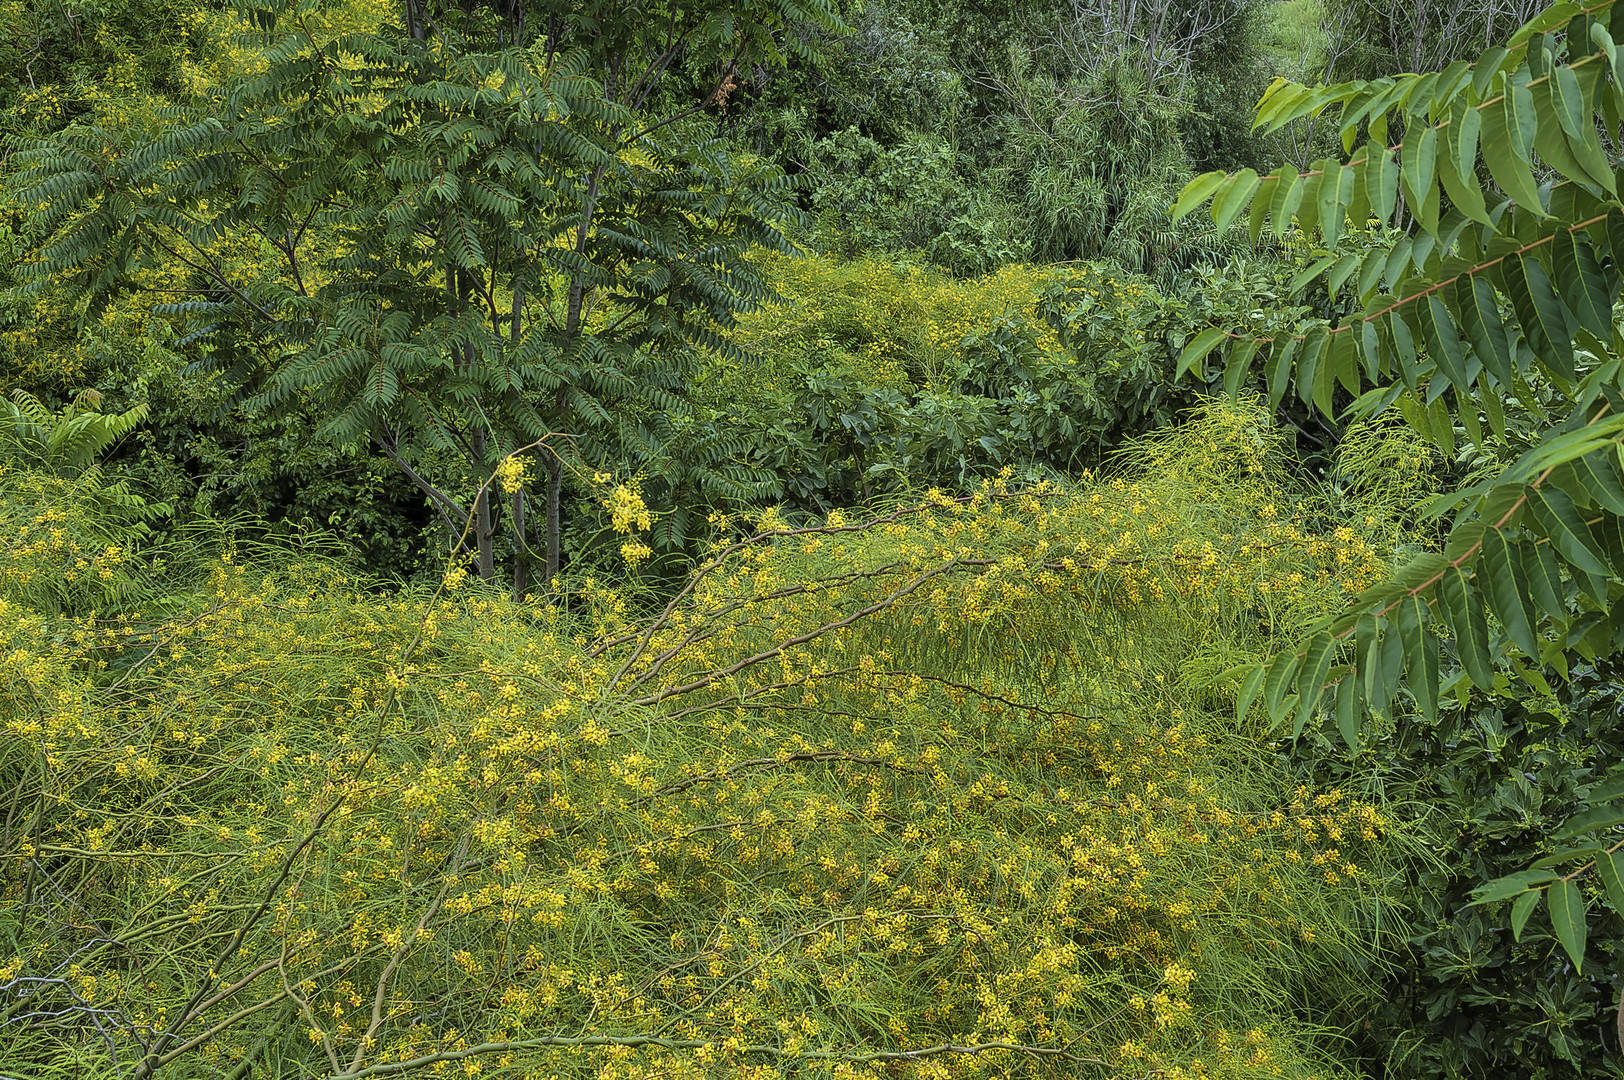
1544 320
1567 910
1521 908
1480 318
1443 343
1566 527
1508 591
1465 610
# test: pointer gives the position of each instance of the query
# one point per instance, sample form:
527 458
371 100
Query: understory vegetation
811 539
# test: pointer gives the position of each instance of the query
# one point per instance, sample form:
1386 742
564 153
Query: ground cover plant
937 794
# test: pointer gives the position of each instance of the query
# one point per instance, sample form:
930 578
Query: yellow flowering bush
944 793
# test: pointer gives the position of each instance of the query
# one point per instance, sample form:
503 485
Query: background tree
511 245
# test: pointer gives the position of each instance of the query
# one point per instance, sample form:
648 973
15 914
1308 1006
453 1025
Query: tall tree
486 236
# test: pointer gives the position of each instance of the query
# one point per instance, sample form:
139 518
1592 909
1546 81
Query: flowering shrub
941 794
875 378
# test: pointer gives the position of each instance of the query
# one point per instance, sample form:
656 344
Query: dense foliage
763 538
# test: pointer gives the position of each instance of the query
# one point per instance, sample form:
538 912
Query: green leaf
1607 868
1347 712
1604 816
1484 71
1521 908
1584 287
1418 167
1566 527
1544 321
1381 181
1250 687
1311 677
1567 910
1277 368
1277 683
1508 591
1443 343
1233 197
1545 581
1261 202
1471 629
1599 473
1197 191
1239 365
1334 194
1288 195
1506 142
1309 273
1458 164
1343 361
1569 99
1480 318
1504 888
1196 351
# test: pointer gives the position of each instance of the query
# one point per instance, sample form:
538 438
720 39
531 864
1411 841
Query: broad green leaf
1443 343
1232 197
1508 592
1196 351
1457 166
1404 347
1250 687
1506 143
1543 318
1344 268
1566 527
1418 166
1569 99
1480 318
1306 275
1581 162
1288 195
1196 192
1604 816
1239 365
1607 868
1261 201
1347 712
1277 368
1310 362
1334 194
1600 475
1504 888
1567 910
1277 683
1484 71
1381 181
1521 909
1311 677
1587 291
1545 581
1343 361
1465 611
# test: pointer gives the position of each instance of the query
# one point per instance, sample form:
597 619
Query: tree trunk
555 497
521 547
482 512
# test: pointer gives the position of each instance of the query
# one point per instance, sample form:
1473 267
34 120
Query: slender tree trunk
521 539
482 511
555 498
521 556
